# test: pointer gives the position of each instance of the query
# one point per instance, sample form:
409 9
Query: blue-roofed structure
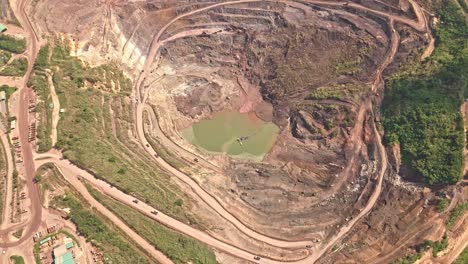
66 258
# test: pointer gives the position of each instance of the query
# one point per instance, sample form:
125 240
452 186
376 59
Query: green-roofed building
3 28
45 240
69 245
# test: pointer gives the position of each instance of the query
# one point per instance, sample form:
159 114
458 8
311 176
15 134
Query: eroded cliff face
306 67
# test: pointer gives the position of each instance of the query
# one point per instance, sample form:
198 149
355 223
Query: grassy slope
38 81
17 259
421 106
85 130
3 175
455 214
9 45
85 135
463 258
178 247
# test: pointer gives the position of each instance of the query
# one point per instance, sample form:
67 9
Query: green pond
238 135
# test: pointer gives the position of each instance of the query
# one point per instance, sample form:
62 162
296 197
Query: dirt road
23 127
71 174
460 245
419 25
378 81
395 41
9 180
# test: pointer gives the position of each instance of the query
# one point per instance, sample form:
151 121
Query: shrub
455 214
16 68
442 205
12 44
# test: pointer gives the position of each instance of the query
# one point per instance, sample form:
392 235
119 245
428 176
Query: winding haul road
70 171
32 225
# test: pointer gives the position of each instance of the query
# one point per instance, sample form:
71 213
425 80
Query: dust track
8 195
23 126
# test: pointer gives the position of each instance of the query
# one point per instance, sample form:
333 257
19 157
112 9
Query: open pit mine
243 131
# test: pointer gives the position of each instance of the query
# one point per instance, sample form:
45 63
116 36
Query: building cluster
63 254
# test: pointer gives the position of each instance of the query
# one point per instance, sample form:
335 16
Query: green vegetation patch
42 60
16 68
437 246
178 247
18 233
421 107
409 259
109 77
38 81
5 56
463 258
9 90
337 91
455 214
3 175
442 204
17 259
349 65
12 44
